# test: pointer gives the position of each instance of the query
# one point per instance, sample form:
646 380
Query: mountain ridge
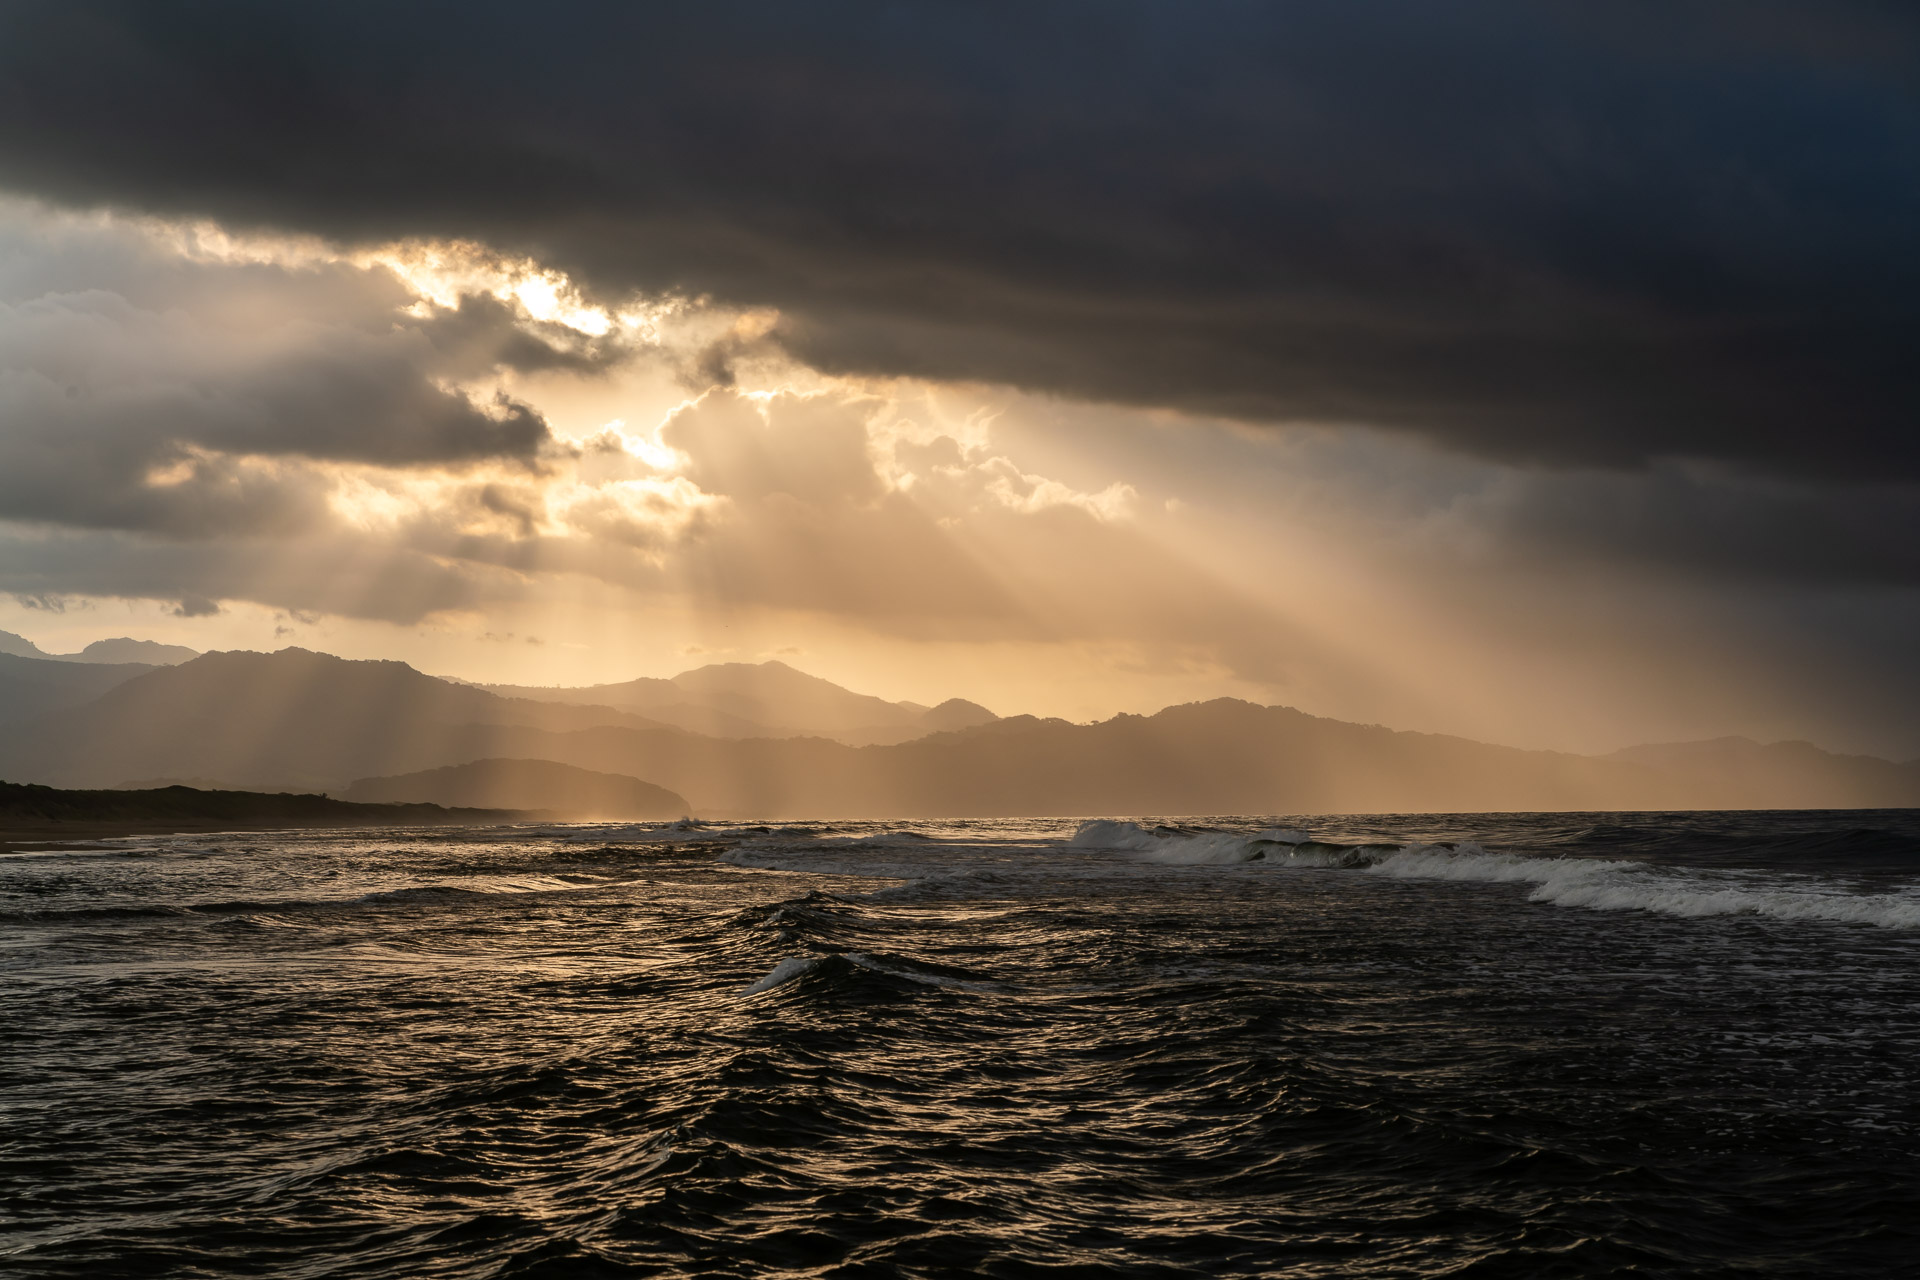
118 650
563 790
296 718
34 687
223 715
762 700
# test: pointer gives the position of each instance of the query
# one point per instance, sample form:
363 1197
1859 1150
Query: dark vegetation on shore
25 804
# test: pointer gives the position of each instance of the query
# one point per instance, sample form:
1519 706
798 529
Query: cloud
481 333
142 390
339 575
1540 233
1699 522
800 503
842 506
832 506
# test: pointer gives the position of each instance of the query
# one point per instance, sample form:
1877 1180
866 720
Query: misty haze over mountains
769 741
527 785
766 700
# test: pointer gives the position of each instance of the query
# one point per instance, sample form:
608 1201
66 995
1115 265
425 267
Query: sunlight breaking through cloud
432 434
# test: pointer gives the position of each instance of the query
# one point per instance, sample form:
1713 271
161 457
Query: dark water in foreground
1671 1045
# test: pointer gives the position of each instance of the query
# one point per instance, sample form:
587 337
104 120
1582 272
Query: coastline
32 815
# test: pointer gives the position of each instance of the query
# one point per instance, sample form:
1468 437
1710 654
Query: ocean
1464 1046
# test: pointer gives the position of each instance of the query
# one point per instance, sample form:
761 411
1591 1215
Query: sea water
1502 1045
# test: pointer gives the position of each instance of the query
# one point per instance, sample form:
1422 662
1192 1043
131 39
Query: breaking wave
1179 846
1593 883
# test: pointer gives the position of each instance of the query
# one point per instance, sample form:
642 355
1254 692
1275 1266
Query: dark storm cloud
144 390
117 417
1589 234
1708 523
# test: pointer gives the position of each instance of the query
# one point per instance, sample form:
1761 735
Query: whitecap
1885 910
1176 847
1602 885
1593 883
786 971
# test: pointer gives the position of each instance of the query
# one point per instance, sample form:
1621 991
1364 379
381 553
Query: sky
1541 373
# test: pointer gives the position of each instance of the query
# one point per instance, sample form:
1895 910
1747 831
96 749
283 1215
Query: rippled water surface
1679 1045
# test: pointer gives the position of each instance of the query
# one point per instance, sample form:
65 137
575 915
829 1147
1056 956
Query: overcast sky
1542 373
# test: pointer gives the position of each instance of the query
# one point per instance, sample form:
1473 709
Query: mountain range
34 687
766 700
538 785
118 650
384 731
292 719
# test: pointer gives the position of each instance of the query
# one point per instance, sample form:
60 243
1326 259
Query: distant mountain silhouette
119 651
34 687
956 713
561 789
125 650
308 720
20 646
1206 758
1216 757
286 719
764 700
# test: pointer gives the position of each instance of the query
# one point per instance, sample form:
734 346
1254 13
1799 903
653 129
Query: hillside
291 718
35 687
119 650
765 700
565 791
1206 758
1203 758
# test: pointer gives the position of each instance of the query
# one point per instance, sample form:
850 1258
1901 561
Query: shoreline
32 814
17 837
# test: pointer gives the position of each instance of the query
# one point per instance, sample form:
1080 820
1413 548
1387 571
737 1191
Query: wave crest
1177 846
1593 883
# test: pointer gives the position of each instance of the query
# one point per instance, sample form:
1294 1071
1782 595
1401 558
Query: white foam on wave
1885 910
1174 847
1468 861
1631 886
1592 883
786 971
